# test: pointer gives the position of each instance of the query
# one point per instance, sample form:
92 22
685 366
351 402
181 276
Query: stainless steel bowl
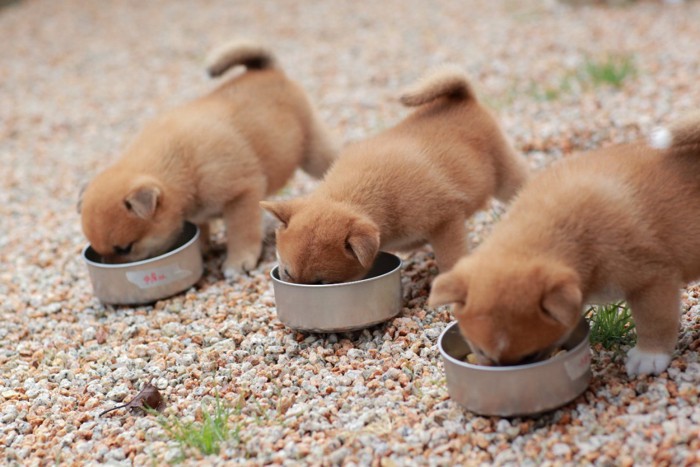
341 307
521 389
151 279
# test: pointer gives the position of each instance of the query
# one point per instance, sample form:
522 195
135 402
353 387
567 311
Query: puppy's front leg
204 233
656 313
243 221
449 243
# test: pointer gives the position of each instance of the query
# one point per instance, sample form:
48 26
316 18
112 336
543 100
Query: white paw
640 362
240 263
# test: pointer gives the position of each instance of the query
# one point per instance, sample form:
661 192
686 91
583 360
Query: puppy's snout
285 275
123 250
532 357
482 358
113 259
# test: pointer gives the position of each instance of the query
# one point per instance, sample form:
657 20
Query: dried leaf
148 398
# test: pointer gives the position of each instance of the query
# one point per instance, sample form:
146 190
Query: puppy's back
623 205
449 115
259 100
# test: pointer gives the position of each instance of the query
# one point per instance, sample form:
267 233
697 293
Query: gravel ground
79 77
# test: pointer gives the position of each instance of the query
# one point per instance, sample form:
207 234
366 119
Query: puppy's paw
240 264
640 362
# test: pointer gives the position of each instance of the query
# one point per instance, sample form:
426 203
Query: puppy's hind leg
514 172
243 221
656 313
321 149
449 243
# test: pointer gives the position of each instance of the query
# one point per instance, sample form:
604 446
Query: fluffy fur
219 155
617 223
414 183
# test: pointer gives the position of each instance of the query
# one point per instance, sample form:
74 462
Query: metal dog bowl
150 279
520 389
341 307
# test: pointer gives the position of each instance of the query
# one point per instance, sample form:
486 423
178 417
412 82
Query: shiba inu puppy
617 223
414 183
219 155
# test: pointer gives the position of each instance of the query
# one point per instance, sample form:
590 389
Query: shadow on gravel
4 3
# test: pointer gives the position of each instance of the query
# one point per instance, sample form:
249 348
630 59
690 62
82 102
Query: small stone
9 413
118 393
10 394
89 334
561 450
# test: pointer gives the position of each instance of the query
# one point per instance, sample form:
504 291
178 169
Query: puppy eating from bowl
417 182
617 223
217 156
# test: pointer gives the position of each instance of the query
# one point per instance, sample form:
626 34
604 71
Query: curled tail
681 136
249 54
445 81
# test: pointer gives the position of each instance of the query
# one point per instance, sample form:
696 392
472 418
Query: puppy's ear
143 200
447 288
562 299
282 210
362 241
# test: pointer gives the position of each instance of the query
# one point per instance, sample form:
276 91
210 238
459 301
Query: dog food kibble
557 352
471 357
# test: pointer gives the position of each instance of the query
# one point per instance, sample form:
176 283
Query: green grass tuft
611 325
551 92
611 70
206 436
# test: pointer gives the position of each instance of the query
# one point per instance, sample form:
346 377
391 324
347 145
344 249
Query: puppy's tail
445 81
682 136
249 54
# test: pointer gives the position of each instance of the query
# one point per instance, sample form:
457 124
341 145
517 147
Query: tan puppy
414 183
216 156
620 222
